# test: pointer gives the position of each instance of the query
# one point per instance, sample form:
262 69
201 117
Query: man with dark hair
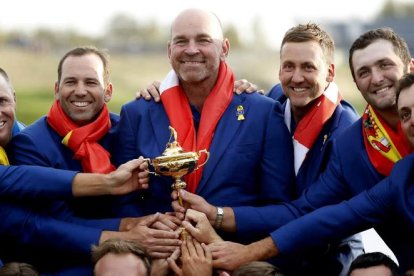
257 268
362 156
22 184
77 135
374 263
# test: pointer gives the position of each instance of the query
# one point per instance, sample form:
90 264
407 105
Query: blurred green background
33 75
137 53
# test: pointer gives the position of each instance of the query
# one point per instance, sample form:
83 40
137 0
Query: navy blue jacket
59 230
388 206
251 160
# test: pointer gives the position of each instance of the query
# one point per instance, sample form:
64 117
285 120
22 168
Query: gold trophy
176 163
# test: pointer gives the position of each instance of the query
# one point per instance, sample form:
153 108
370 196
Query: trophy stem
183 234
179 184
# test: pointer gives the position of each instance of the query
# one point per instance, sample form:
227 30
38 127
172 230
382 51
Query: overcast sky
90 17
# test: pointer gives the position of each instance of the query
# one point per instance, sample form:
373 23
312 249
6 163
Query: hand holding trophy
176 163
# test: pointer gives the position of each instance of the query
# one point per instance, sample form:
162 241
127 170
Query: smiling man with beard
251 160
315 114
377 60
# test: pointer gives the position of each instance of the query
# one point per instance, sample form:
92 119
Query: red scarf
310 126
181 119
384 145
83 140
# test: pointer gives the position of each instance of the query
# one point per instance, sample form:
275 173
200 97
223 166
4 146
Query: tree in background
397 10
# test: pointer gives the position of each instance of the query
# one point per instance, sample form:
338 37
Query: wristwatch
219 218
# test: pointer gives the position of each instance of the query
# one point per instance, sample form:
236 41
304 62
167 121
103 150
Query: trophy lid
173 148
174 161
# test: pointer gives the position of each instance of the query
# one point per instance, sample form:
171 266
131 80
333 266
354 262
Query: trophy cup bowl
176 165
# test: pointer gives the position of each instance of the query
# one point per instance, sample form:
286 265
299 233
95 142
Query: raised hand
192 201
229 255
196 259
167 222
158 243
197 224
160 267
150 92
242 86
129 177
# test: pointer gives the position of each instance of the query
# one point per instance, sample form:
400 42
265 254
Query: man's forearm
263 249
90 184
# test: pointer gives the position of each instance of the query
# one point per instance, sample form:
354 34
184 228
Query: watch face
219 218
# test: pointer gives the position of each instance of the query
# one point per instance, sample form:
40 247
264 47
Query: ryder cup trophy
176 163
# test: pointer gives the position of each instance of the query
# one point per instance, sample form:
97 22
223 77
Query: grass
33 75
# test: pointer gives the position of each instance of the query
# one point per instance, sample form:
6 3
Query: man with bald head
249 144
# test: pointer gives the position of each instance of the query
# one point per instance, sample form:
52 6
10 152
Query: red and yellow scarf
309 127
181 119
384 145
83 140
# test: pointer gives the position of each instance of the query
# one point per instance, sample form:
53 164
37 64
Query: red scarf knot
83 140
181 119
310 126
